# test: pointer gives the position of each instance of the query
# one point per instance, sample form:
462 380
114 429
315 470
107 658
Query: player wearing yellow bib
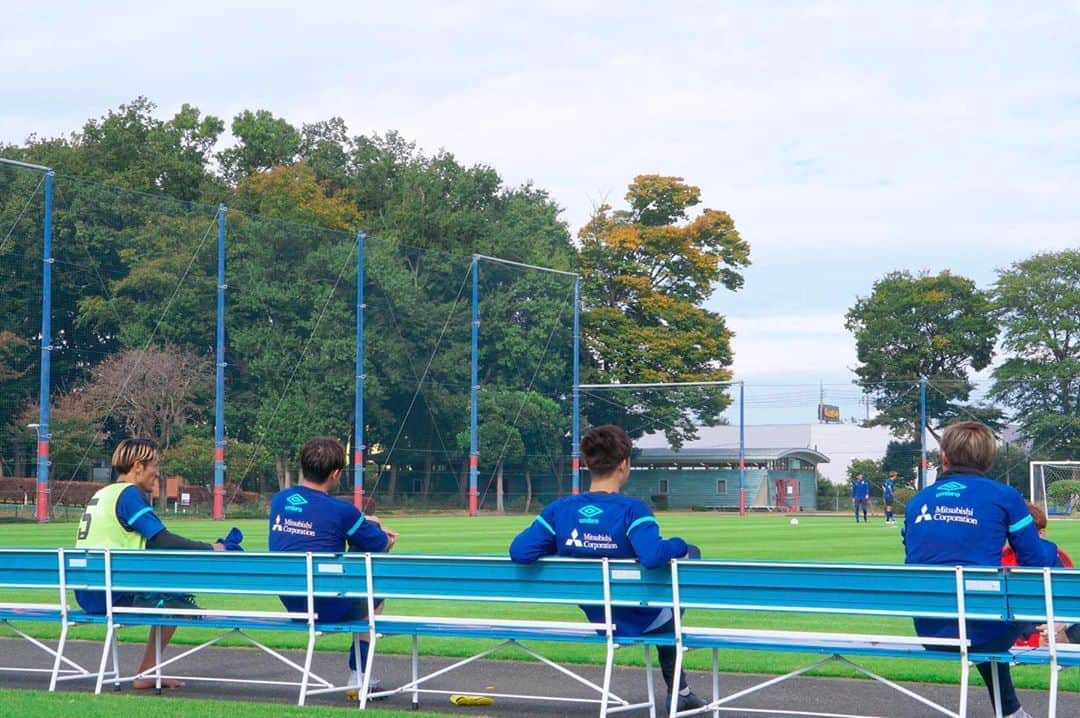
120 516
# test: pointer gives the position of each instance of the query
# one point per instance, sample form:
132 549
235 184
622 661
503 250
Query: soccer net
1055 485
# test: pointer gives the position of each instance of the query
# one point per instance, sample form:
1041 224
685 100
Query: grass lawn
35 704
817 538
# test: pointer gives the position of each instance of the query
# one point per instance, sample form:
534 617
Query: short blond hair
969 443
134 451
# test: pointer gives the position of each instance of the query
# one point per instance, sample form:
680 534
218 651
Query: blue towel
233 540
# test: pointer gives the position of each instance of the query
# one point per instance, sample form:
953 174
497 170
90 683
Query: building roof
700 455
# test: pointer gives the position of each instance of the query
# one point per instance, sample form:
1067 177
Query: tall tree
1038 304
646 273
936 326
263 142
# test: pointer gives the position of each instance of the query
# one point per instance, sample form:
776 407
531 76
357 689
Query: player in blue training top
964 518
307 518
860 496
602 523
888 492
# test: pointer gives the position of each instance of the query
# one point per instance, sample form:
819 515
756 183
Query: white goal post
1043 474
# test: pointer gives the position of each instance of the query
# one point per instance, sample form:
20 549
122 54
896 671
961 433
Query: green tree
263 142
646 273
1038 305
935 326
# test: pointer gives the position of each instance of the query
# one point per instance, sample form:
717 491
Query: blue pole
922 432
219 389
575 433
474 390
742 449
358 417
41 507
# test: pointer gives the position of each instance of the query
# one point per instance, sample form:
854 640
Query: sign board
828 414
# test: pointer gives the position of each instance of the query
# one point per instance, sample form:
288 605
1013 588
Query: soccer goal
1044 474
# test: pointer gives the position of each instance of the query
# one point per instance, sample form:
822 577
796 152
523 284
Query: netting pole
41 507
575 423
474 390
219 382
742 449
922 432
358 418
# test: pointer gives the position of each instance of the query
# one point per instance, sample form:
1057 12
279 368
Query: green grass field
40 704
818 538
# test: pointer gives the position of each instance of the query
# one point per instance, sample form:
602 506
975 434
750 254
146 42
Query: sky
846 139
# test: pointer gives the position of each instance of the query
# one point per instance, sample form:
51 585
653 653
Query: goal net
1055 485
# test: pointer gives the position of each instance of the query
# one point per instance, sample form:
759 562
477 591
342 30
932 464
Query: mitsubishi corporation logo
574 540
277 524
589 514
924 515
296 502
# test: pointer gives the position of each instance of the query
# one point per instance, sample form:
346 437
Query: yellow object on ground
461 700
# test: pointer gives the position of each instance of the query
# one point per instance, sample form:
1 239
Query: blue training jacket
599 525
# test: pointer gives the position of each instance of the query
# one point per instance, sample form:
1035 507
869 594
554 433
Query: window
721 486
662 487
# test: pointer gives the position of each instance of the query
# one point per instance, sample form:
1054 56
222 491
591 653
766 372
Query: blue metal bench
830 591
836 591
486 580
42 569
217 573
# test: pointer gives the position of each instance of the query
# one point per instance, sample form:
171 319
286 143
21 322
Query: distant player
624 528
888 489
860 496
307 518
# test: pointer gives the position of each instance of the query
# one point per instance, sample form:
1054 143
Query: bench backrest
849 589
29 568
221 572
488 579
1027 594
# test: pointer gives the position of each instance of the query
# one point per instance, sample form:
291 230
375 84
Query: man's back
304 519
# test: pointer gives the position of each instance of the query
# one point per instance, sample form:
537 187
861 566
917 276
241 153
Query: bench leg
649 682
1054 670
110 636
673 708
115 666
307 667
415 672
609 663
716 681
59 655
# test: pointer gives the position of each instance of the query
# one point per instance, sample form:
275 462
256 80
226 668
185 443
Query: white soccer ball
794 522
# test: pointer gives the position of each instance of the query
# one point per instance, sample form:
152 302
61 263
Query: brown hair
1038 514
604 448
969 443
133 451
321 457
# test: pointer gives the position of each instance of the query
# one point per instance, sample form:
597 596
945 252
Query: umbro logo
949 488
924 515
590 511
296 500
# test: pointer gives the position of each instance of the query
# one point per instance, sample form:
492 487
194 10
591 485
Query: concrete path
833 695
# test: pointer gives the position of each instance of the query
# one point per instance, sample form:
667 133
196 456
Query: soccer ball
794 522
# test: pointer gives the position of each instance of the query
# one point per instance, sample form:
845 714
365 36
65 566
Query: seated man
630 531
120 516
963 519
307 518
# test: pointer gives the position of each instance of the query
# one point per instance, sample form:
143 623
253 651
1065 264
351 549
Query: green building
775 479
